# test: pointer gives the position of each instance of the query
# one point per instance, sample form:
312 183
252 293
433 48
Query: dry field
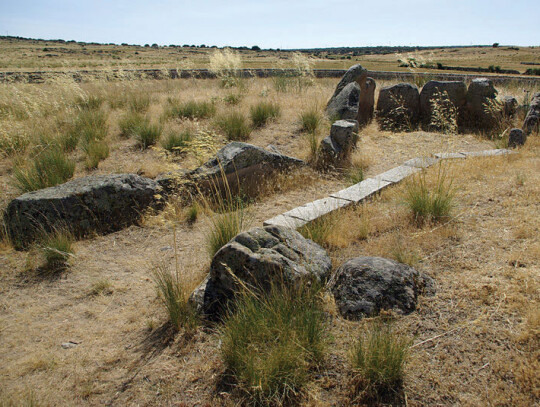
476 342
36 55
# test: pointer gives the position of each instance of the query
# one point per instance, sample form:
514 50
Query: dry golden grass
485 261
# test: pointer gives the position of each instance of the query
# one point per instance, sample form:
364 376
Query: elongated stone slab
358 192
445 156
486 153
283 220
396 174
421 162
315 209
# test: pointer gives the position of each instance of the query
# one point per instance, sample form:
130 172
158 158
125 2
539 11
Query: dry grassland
36 55
475 343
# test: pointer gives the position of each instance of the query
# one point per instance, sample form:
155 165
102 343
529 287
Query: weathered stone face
345 104
455 91
100 203
366 106
239 162
256 259
510 106
481 97
516 138
364 286
355 73
398 107
336 148
532 120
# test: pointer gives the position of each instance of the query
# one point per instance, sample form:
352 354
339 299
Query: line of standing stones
403 106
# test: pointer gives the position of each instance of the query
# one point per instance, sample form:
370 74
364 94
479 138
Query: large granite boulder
97 203
335 149
532 120
364 286
345 104
398 107
256 259
482 108
241 164
366 106
442 92
354 74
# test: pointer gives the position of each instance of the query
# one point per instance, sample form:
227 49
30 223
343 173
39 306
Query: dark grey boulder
240 163
255 259
454 92
354 74
97 203
335 149
366 106
364 286
398 107
510 106
516 138
532 120
481 109
345 104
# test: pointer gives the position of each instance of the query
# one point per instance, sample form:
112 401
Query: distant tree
185 46
124 44
495 44
146 45
255 48
203 46
154 45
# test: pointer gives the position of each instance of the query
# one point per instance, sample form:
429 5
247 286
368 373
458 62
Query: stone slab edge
301 215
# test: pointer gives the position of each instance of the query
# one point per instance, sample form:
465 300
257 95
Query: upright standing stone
354 74
335 149
481 103
516 138
454 92
532 120
367 102
510 106
398 107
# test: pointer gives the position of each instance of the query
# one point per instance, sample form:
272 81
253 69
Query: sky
281 24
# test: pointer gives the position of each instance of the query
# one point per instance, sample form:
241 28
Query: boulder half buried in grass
97 203
254 261
242 165
364 286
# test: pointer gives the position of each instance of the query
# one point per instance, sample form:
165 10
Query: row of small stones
301 215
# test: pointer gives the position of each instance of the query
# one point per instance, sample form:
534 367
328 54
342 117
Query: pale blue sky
278 23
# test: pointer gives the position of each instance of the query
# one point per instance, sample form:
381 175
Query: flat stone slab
362 190
444 156
396 174
286 221
487 153
421 162
316 209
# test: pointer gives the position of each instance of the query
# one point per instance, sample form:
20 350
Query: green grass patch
234 125
190 110
129 122
271 342
147 134
174 297
50 168
177 141
96 151
263 112
57 249
310 120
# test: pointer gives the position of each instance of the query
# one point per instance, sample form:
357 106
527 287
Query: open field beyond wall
38 55
481 330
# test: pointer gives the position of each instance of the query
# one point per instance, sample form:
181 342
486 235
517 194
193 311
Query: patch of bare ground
476 341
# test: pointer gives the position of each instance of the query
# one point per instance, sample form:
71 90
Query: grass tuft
48 169
426 202
190 110
378 359
263 112
147 134
271 341
129 122
174 297
96 151
57 248
310 120
177 141
234 125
